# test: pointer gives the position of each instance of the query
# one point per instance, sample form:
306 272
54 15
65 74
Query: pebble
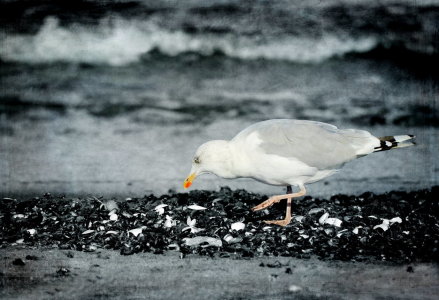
18 262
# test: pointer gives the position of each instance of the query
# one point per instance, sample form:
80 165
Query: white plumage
287 152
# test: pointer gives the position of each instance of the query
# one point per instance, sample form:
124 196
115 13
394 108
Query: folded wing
317 144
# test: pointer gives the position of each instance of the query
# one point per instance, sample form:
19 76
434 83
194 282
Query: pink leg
276 199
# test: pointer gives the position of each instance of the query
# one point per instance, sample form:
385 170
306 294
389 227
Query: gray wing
319 145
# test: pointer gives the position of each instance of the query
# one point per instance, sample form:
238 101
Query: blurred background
113 98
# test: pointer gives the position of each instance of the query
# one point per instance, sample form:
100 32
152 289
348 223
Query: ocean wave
119 42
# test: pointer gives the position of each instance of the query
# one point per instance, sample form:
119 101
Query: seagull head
211 157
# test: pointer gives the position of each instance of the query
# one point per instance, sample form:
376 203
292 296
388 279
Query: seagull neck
238 160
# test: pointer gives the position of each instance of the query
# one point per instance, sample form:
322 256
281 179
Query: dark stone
18 262
31 257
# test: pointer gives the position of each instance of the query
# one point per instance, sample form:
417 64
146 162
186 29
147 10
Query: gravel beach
395 227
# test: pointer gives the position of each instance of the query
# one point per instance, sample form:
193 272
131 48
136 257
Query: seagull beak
188 182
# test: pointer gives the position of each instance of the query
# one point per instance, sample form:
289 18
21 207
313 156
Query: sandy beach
61 274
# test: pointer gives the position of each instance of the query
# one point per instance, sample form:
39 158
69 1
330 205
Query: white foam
115 44
119 42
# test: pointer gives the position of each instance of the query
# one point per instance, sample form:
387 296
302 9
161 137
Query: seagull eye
197 160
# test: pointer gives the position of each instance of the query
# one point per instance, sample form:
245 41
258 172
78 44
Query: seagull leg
270 201
275 199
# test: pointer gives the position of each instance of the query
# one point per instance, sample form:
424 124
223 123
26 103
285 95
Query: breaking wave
120 42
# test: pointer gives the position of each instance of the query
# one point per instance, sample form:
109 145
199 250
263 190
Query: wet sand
107 275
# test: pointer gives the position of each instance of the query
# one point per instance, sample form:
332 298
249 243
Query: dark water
114 97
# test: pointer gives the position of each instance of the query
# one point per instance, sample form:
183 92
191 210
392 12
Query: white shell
331 221
136 231
395 220
231 240
160 209
315 210
323 218
341 232
238 226
195 241
31 231
387 223
196 207
355 230
169 222
384 226
294 288
111 205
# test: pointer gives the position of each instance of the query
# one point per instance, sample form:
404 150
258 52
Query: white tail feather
402 138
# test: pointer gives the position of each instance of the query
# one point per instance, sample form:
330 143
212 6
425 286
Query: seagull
286 152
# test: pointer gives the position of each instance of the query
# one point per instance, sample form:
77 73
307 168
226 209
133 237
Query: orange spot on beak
188 182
